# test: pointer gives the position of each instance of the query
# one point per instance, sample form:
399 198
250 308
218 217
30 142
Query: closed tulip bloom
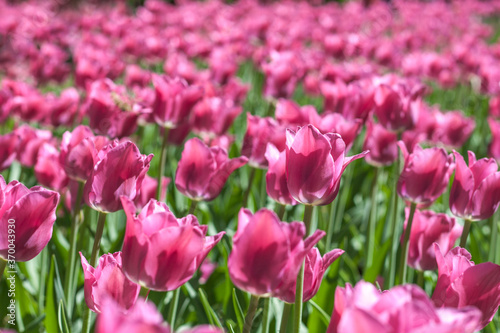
202 171
8 149
452 128
267 253
475 193
494 146
48 171
32 212
314 269
314 165
336 123
382 145
276 183
461 283
174 100
30 141
260 132
405 308
429 228
108 280
161 252
425 175
148 190
120 171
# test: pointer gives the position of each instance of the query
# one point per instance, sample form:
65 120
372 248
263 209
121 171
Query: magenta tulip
276 183
405 308
160 251
452 128
120 171
461 283
425 175
475 193
314 165
108 280
30 141
202 171
314 269
48 171
381 143
148 191
429 228
336 123
267 253
31 213
494 146
8 149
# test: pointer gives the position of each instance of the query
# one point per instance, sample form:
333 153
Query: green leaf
50 306
212 316
61 315
323 315
240 316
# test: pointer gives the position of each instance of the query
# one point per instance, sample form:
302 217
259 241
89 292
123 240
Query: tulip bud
381 143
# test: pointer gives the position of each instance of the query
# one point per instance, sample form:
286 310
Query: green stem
41 289
265 318
144 293
252 308
192 207
249 188
393 229
69 281
172 310
93 259
420 279
494 238
308 210
287 309
163 159
465 232
332 225
372 220
3 264
406 245
281 211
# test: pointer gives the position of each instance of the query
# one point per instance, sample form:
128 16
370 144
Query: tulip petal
487 197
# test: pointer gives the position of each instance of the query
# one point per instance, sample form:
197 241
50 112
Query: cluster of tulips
110 113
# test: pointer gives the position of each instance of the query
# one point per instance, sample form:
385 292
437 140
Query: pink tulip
108 280
475 194
202 171
314 269
461 283
142 317
381 143
260 132
63 110
160 251
290 113
203 329
314 165
120 171
213 116
32 212
276 183
494 146
30 141
207 267
452 128
282 74
336 123
8 149
425 175
148 191
48 171
267 253
429 228
401 309
174 100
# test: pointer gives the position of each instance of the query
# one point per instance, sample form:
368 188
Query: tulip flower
161 252
213 116
276 183
174 100
8 149
314 268
401 309
202 171
429 228
475 193
63 110
48 171
282 74
382 145
314 165
452 128
336 123
425 175
267 253
120 171
148 191
108 280
30 141
260 132
494 146
461 283
32 212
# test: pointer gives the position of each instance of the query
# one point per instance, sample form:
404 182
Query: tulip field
273 166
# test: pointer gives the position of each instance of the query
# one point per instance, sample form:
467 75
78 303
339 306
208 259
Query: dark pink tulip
461 283
425 175
429 228
31 140
381 143
203 329
314 269
475 193
174 100
148 191
8 149
494 146
63 110
336 123
452 128
142 317
160 251
119 172
353 101
276 184
213 116
207 267
267 253
290 113
282 73
405 308
260 132
33 212
108 280
136 76
314 165
48 171
494 106
202 171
